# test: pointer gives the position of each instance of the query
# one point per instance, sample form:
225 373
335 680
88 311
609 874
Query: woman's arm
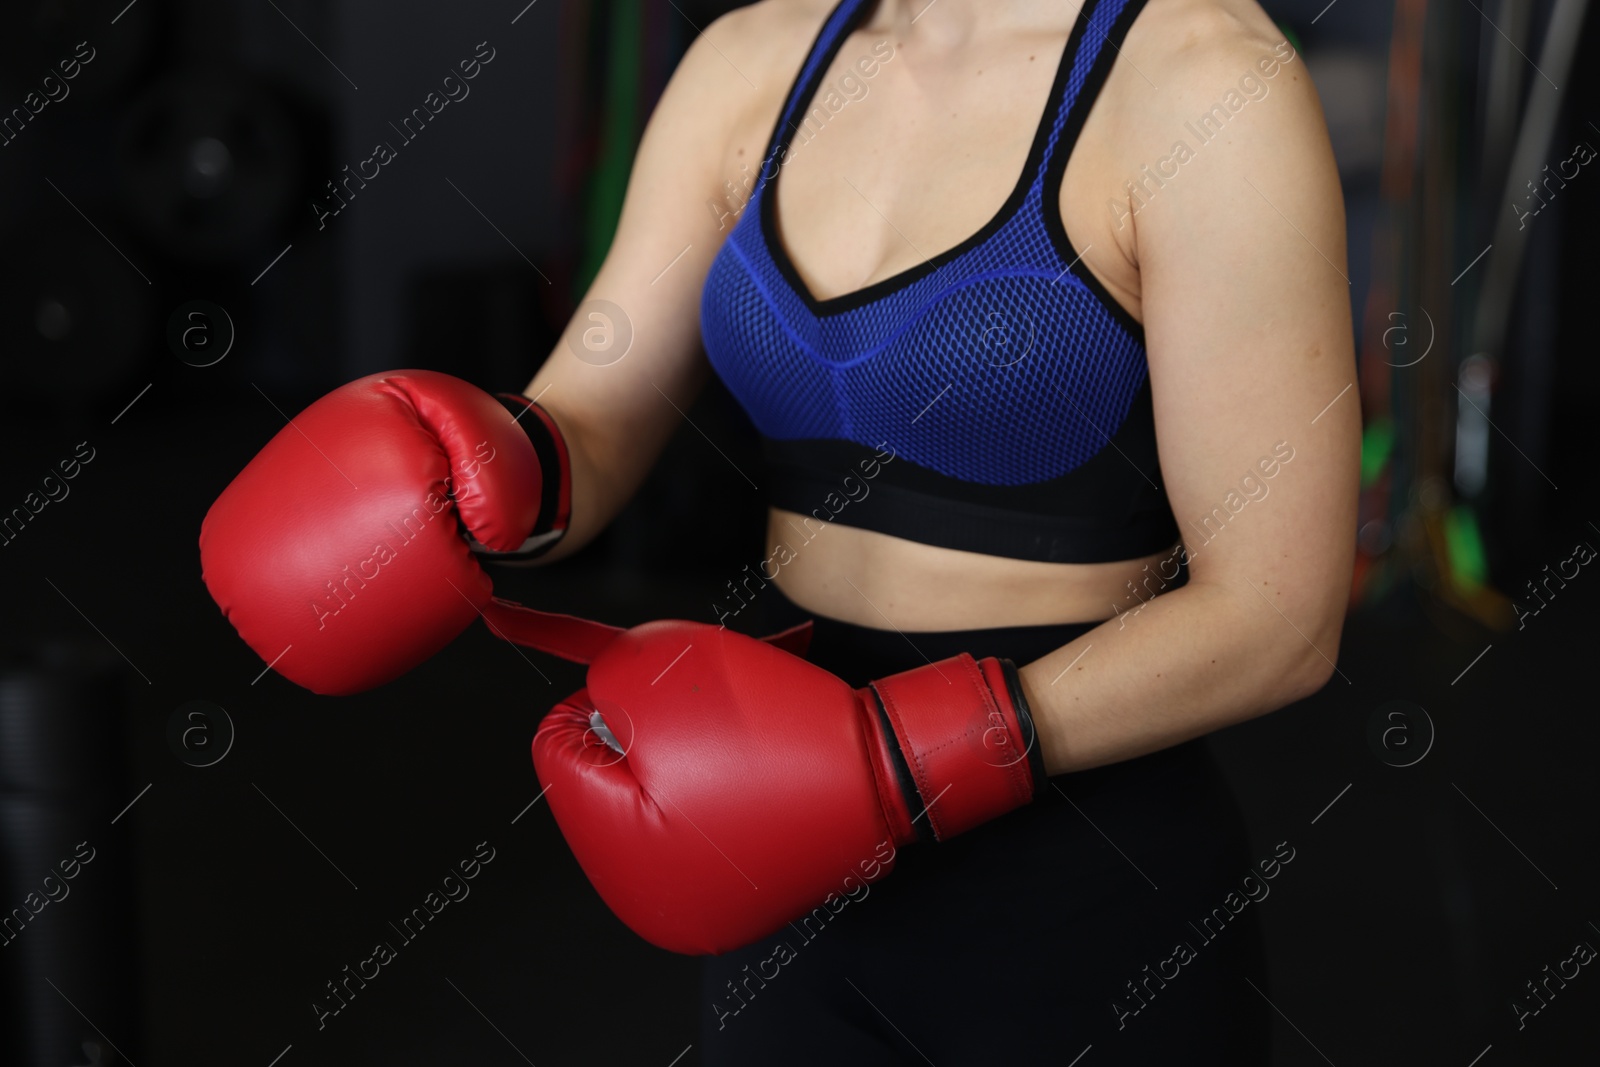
617 414
1246 308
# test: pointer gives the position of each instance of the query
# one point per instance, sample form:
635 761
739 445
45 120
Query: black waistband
829 488
967 526
1111 507
859 654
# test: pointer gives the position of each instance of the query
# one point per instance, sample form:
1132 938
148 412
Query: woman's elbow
1313 654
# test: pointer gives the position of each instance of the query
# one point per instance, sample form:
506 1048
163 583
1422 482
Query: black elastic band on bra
1109 508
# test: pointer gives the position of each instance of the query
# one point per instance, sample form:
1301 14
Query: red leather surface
336 552
961 739
746 795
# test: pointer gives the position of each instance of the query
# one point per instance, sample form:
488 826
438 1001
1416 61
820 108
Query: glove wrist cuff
1028 730
903 807
555 483
966 739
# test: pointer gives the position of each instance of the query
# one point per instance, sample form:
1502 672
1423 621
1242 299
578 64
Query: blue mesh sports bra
1009 388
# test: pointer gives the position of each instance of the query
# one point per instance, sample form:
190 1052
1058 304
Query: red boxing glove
344 553
714 787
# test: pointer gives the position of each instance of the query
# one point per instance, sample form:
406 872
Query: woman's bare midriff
883 582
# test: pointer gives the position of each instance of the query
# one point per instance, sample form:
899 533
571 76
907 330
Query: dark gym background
220 899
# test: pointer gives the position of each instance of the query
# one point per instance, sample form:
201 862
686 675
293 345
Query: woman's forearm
1184 664
596 498
609 457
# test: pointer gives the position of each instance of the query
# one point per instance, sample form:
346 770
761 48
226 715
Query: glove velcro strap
555 468
897 790
966 740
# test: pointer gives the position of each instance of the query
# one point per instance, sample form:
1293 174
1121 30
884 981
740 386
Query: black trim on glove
1029 728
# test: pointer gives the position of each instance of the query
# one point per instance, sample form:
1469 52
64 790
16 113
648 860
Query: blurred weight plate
73 314
210 165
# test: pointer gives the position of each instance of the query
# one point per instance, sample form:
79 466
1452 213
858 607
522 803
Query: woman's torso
920 158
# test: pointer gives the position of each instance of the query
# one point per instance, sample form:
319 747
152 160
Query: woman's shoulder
751 38
740 65
1187 60
778 15
1211 90
1195 46
1195 30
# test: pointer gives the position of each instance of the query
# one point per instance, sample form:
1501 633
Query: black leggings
1027 940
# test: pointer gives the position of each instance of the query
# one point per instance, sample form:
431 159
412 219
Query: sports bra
992 399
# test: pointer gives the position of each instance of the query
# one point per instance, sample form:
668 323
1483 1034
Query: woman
1032 304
